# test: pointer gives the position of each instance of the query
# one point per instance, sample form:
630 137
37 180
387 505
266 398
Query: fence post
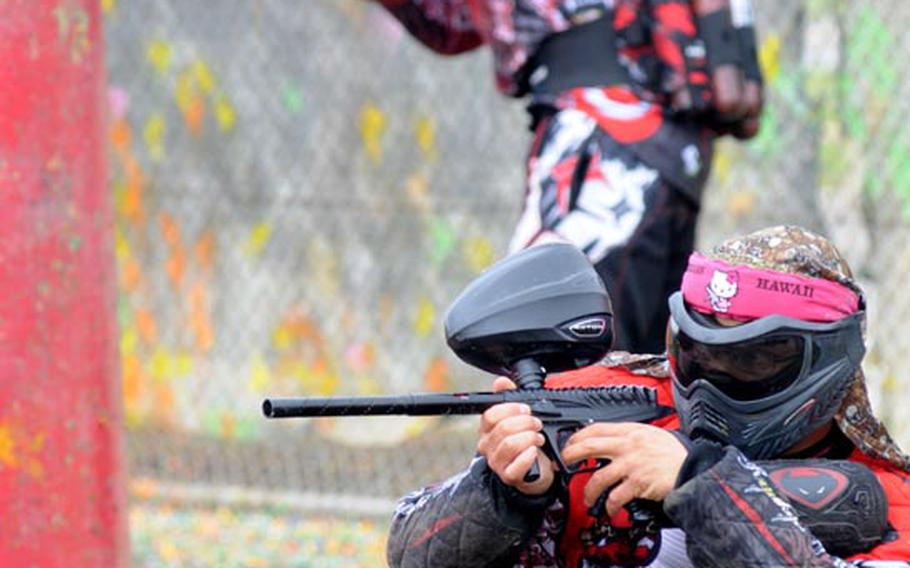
61 456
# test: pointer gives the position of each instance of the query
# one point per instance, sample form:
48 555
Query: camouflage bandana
794 250
639 364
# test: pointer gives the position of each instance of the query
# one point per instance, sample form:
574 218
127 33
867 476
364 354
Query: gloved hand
711 69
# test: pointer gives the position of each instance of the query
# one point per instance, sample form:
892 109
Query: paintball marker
542 310
562 411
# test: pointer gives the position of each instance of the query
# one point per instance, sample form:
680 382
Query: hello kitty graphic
721 289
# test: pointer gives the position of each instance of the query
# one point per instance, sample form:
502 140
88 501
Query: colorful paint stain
425 134
21 450
372 128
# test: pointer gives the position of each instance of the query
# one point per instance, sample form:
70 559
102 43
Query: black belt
584 55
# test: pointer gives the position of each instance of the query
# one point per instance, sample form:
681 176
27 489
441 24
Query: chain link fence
301 190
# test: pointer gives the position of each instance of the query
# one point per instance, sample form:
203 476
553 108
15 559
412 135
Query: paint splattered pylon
61 454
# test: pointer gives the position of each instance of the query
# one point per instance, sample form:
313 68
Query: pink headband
745 293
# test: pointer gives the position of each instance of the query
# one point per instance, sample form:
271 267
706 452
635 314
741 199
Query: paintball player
773 451
626 98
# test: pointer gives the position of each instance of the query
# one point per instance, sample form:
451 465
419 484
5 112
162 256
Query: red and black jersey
633 111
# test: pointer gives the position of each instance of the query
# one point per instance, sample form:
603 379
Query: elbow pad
841 502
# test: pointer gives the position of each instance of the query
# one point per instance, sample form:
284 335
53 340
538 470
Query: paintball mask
765 384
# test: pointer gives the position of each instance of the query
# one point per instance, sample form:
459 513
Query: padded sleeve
733 516
471 519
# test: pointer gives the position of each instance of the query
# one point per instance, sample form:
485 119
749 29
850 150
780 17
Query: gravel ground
164 536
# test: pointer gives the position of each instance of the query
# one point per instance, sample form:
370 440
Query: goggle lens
745 370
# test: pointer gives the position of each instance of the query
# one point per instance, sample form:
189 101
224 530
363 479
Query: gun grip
533 474
551 447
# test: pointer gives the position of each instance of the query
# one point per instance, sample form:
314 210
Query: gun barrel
613 404
425 404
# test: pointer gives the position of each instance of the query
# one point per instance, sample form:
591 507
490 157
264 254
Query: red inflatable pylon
62 481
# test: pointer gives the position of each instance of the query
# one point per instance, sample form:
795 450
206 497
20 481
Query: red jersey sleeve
896 484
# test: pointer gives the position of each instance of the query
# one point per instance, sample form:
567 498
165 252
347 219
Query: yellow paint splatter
129 339
769 57
418 426
890 384
108 6
168 551
372 127
153 133
328 383
121 244
33 466
184 91
158 53
425 319
190 100
121 191
182 364
317 379
159 365
260 375
425 132
722 165
478 253
224 113
7 448
20 449
203 75
368 386
257 239
282 338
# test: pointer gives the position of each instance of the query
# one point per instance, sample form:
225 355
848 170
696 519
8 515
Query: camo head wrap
794 250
